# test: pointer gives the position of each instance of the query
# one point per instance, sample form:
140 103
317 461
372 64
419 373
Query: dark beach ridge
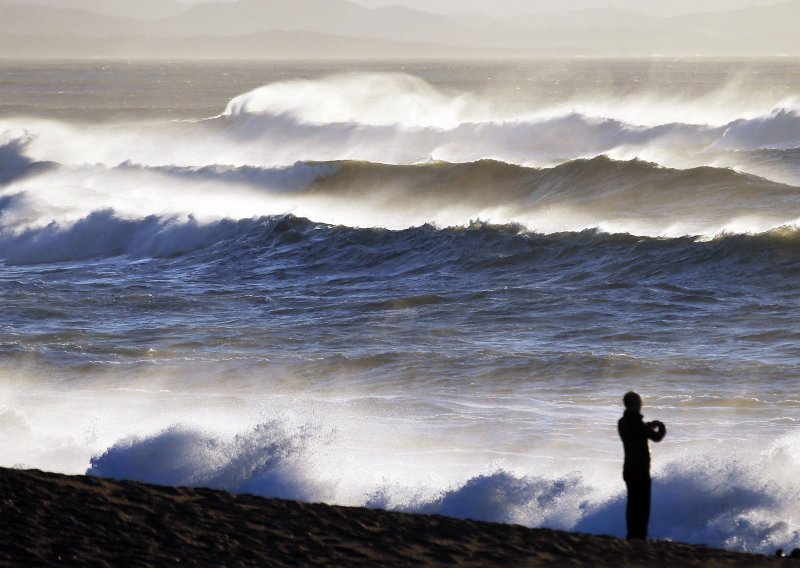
53 519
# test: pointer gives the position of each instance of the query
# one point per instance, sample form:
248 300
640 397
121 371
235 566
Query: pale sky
506 7
503 7
517 28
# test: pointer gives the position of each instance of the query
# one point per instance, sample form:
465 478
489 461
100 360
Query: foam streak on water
423 289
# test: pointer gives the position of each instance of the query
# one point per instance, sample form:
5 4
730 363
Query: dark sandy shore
50 519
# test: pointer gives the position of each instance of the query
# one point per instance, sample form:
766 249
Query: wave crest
780 129
374 99
264 461
102 234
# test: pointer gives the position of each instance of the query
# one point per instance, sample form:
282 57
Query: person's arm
656 430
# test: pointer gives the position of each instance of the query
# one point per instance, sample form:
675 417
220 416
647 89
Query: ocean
421 286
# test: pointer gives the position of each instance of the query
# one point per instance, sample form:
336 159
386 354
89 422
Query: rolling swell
635 197
521 206
301 246
614 196
596 181
603 183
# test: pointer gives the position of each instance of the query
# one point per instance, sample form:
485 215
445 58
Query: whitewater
421 287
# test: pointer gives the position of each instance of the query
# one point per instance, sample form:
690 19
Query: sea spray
404 120
715 500
261 461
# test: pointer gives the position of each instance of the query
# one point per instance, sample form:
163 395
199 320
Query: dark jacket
634 434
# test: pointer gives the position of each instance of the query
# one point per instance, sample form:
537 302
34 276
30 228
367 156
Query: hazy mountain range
344 29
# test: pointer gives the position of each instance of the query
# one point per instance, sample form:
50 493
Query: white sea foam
346 449
713 500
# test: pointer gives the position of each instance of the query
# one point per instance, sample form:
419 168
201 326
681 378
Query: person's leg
632 506
637 512
645 519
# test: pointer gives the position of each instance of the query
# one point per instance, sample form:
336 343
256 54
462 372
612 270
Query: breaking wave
376 99
401 119
717 501
262 462
102 234
51 212
355 109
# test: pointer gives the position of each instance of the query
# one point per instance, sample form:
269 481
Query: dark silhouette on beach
635 433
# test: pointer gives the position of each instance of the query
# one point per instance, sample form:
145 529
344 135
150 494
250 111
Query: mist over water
420 288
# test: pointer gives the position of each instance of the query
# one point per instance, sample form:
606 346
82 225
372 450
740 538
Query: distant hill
36 20
340 28
339 17
139 9
279 44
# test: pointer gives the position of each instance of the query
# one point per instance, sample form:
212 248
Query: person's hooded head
633 402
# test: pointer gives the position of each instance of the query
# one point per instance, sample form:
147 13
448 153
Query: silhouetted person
635 433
